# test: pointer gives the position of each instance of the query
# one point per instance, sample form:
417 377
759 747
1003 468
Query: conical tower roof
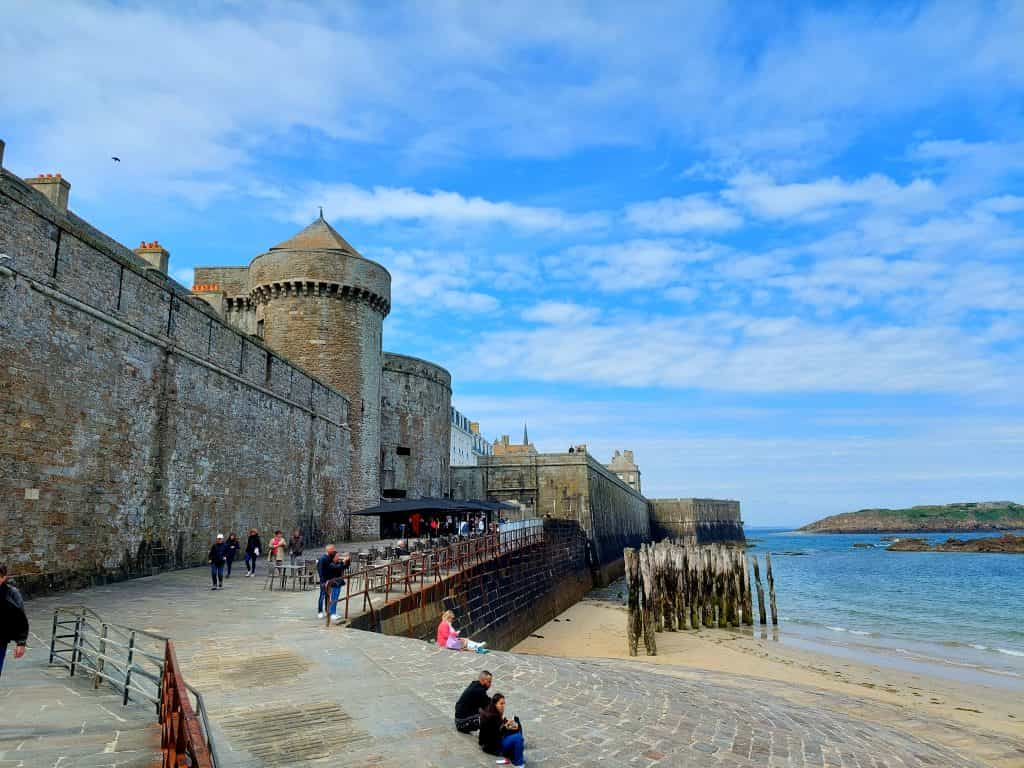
318 236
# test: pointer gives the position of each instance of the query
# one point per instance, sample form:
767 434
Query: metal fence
138 665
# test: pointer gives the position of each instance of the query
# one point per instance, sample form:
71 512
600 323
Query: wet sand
991 717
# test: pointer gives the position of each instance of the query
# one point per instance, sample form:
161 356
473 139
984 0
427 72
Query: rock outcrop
1006 544
952 518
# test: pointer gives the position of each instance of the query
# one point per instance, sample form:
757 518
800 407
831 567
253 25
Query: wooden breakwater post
634 622
680 585
771 588
760 593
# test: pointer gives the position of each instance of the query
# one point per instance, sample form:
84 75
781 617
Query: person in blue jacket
217 558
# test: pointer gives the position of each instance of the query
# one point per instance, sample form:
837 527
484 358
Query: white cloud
683 214
630 265
347 201
426 282
764 197
728 352
559 313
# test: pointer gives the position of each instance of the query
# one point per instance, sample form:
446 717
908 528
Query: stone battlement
263 294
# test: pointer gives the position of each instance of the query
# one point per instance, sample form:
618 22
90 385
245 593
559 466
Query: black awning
409 506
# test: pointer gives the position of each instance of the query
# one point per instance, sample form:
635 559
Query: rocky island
1006 544
940 518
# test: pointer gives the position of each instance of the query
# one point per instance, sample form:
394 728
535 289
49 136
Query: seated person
472 700
499 736
448 636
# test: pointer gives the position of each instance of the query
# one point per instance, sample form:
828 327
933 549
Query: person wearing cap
218 556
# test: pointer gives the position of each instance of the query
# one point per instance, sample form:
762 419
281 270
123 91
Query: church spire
526 436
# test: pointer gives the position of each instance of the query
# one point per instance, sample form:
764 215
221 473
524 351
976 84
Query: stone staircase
56 721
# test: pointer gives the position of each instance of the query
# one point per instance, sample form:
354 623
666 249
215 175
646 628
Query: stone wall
703 521
134 423
415 431
564 486
500 601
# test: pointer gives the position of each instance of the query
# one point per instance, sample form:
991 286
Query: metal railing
405 574
183 734
129 660
135 663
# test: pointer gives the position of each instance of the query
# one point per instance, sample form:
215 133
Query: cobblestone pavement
285 691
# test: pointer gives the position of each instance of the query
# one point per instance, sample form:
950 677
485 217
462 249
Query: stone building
572 486
505 447
623 465
467 444
414 428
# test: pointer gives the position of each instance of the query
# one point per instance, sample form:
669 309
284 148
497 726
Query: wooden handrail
181 734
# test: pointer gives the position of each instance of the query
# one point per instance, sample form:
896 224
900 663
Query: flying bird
116 159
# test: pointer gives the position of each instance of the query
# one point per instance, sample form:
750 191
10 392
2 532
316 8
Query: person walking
295 546
472 700
321 569
500 736
252 552
233 546
13 621
217 557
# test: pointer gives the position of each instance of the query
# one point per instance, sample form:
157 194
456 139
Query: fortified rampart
570 486
701 521
501 600
415 435
134 422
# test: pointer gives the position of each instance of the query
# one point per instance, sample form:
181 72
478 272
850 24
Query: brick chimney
474 427
155 254
53 188
212 294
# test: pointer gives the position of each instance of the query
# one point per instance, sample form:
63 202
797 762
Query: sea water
957 614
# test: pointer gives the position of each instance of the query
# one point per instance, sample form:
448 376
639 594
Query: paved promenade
285 691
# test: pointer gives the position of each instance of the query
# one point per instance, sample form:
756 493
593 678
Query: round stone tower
415 438
322 305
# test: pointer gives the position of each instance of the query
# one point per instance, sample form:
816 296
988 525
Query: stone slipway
285 691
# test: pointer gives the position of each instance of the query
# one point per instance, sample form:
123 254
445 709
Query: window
393 493
401 450
259 329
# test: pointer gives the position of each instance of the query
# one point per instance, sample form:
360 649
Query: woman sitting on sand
448 636
499 736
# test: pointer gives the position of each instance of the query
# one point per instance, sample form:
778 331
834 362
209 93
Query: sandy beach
987 722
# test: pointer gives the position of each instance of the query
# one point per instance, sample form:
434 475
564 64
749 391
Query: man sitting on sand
472 700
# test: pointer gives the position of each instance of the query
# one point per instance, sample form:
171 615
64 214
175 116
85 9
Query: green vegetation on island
938 518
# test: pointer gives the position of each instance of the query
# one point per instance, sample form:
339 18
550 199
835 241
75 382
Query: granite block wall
415 433
500 601
134 423
702 521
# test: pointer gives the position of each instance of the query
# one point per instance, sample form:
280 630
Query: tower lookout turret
321 304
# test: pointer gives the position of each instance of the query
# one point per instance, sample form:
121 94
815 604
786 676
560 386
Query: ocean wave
852 631
1008 652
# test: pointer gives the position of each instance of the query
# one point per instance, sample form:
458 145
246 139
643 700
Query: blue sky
778 253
